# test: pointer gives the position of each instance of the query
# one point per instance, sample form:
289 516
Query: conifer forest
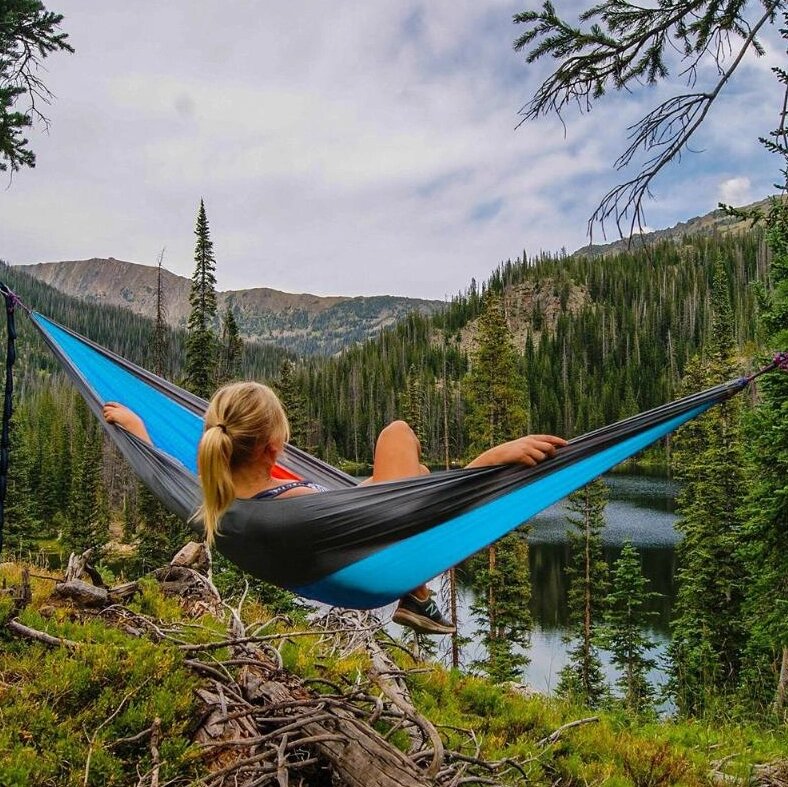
172 666
580 342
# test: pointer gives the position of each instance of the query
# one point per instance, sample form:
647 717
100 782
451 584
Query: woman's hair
241 418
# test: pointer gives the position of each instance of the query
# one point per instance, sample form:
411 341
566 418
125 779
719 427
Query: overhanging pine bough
625 46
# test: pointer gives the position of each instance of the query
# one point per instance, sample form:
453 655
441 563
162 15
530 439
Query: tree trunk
455 637
491 592
587 610
782 684
362 758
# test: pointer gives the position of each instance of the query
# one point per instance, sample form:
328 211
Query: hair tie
222 427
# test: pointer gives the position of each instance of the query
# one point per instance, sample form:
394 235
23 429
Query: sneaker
423 617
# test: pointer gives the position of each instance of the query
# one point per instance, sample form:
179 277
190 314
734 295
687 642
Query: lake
641 508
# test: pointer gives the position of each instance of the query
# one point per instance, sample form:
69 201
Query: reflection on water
549 600
640 509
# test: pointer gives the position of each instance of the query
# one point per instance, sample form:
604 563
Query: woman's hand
115 413
528 450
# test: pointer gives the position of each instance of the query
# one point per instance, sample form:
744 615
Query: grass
59 708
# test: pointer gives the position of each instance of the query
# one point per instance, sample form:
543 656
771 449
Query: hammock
352 546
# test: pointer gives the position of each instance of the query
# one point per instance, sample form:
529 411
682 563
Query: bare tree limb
40 636
555 735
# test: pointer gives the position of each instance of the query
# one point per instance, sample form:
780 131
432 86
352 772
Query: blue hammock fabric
352 546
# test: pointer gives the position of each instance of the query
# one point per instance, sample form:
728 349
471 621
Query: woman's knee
396 453
400 430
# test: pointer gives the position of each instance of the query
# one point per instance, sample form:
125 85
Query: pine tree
231 348
497 412
707 624
413 406
201 341
88 510
496 388
295 405
626 46
626 617
582 678
503 587
29 33
159 350
21 525
765 533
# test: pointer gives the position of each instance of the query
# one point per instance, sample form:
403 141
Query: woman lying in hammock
245 431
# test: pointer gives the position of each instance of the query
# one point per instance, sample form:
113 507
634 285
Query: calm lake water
641 508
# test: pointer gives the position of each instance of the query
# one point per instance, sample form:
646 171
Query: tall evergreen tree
707 624
201 340
626 618
765 534
503 587
231 348
295 405
497 412
159 350
582 678
413 405
88 511
21 525
496 388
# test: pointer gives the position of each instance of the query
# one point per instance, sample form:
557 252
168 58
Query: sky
341 149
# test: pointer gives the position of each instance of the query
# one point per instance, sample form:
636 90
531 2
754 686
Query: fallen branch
82 593
429 731
40 636
155 737
232 643
554 736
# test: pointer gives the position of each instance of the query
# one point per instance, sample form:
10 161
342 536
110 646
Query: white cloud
351 148
736 191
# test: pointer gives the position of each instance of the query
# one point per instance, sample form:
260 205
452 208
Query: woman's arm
529 450
115 413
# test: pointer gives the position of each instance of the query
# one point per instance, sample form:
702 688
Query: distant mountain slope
299 322
715 223
116 328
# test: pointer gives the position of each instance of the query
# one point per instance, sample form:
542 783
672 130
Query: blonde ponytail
213 465
240 419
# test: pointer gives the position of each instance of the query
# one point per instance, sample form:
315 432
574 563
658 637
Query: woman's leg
397 455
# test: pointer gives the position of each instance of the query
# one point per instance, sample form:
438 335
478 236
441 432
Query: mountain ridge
303 322
716 221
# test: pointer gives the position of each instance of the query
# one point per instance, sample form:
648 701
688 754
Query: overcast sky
341 148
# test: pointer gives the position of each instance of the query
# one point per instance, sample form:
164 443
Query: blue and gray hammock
353 546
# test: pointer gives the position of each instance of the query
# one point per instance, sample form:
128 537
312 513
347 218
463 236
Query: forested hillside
120 330
600 339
